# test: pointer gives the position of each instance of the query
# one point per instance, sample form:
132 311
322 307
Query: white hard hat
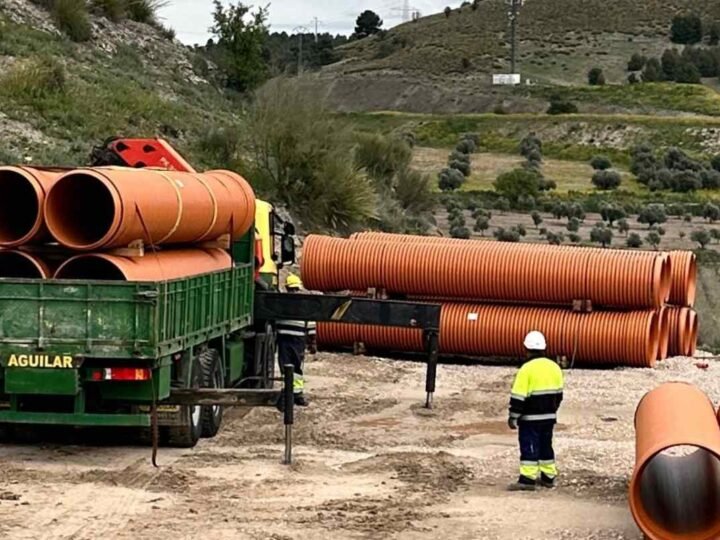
535 341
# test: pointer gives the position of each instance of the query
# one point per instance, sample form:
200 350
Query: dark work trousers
291 350
536 450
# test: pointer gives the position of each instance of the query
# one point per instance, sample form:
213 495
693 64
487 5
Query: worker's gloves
512 423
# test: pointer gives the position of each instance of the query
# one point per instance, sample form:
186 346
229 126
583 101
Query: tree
633 78
611 213
574 238
596 77
601 234
685 181
531 142
715 233
653 71
537 219
518 182
466 146
502 204
687 73
482 224
520 228
241 37
710 179
450 179
711 212
506 235
652 214
367 24
714 33
555 238
715 162
560 105
462 166
623 226
653 239
573 224
575 210
634 241
460 232
670 61
447 11
559 210
637 62
702 237
600 163
606 180
686 29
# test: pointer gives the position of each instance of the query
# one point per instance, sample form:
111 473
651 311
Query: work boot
547 482
523 484
300 400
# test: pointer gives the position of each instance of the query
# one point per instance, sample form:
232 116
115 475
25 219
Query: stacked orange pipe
491 271
612 338
22 195
92 209
160 266
675 487
684 278
18 264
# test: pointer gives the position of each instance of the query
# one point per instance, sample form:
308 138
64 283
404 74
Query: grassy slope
144 87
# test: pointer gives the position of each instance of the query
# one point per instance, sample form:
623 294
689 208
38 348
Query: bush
653 71
482 224
502 204
112 9
634 241
574 238
653 239
637 62
221 147
447 11
602 235
520 228
686 181
144 11
526 202
71 16
612 213
596 77
546 184
702 237
715 234
37 78
413 191
460 232
457 221
466 146
382 157
714 33
606 180
450 179
687 73
555 238
518 182
711 212
710 179
633 79
462 166
560 105
575 210
506 235
459 156
600 163
676 209
474 137
542 231
652 214
686 29
573 224
537 219
623 226
531 142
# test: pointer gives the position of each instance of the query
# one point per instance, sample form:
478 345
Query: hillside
443 64
58 98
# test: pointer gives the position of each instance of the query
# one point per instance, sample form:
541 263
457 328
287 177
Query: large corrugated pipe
629 338
692 335
160 266
683 331
675 488
489 271
19 264
663 333
22 195
684 278
90 209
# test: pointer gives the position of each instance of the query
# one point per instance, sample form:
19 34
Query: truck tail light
121 374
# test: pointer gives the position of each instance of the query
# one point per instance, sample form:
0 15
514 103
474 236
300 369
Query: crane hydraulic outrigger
270 305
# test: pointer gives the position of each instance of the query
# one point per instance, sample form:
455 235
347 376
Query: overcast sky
192 18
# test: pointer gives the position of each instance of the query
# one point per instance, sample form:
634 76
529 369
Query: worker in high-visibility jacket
293 338
534 402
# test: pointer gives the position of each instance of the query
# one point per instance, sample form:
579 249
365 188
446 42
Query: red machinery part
22 196
160 266
142 153
675 487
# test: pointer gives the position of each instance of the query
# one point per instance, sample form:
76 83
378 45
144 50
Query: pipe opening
19 265
679 492
19 207
80 210
93 268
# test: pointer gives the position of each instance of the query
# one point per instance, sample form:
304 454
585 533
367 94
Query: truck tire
187 433
212 377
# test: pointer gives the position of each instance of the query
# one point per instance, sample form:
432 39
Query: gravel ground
371 463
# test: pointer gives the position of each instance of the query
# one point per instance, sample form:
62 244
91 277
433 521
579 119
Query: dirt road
370 463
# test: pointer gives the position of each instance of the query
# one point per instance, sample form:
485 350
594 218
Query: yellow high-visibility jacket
537 392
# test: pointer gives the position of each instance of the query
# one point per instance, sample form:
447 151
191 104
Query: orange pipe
91 209
675 488
684 278
664 333
678 327
630 338
18 264
22 195
692 335
160 266
489 271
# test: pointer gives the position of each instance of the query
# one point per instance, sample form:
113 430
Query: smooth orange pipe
90 209
19 264
489 271
675 488
160 266
630 338
684 278
22 196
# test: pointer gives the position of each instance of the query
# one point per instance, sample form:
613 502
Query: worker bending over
534 402
293 337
